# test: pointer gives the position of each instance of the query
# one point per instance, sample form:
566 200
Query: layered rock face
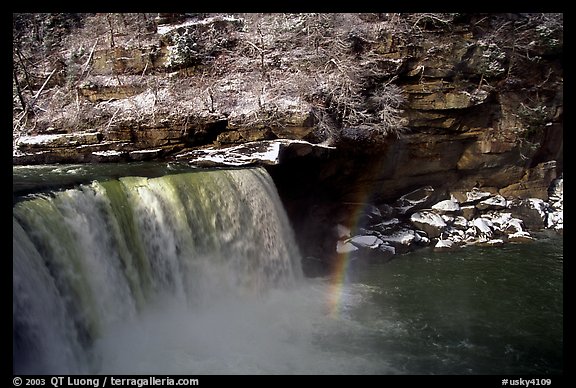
459 103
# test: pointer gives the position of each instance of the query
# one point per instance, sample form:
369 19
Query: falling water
90 258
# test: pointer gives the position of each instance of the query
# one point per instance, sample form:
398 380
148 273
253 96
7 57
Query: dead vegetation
250 70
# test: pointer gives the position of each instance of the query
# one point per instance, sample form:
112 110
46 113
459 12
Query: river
475 310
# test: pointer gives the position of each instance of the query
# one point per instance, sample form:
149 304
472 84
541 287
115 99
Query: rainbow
374 171
341 263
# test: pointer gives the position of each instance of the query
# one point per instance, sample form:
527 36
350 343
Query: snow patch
164 29
107 153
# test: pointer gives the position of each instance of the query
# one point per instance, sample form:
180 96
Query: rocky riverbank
466 218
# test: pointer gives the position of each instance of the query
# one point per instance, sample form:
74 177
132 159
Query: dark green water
34 178
477 310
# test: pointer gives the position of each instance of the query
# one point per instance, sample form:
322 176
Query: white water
280 333
189 273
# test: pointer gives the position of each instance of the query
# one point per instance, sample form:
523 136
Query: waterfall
88 258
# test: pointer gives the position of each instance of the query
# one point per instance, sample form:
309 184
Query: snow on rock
484 227
429 222
107 153
488 219
520 236
539 205
388 223
446 206
497 223
496 202
495 241
403 237
555 220
532 211
163 29
444 244
366 241
556 194
58 140
453 234
473 196
447 219
513 225
460 223
416 199
264 152
422 237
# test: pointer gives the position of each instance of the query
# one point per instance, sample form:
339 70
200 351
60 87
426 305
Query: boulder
484 227
345 247
513 225
460 223
429 222
366 241
555 220
387 249
446 206
531 211
444 244
496 202
469 197
402 240
468 212
520 237
414 200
